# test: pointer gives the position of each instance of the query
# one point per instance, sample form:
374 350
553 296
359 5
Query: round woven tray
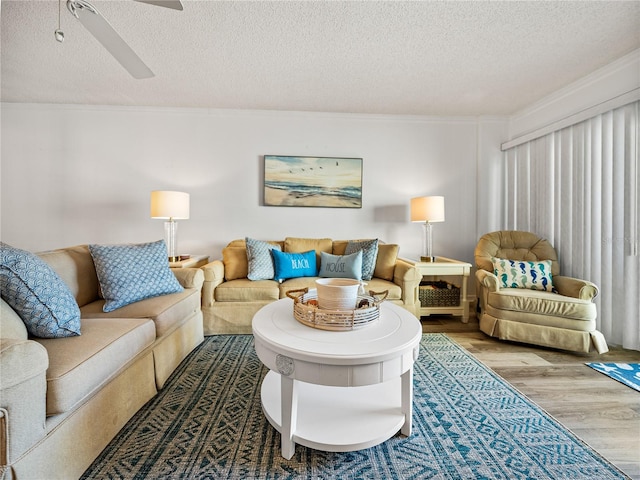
336 320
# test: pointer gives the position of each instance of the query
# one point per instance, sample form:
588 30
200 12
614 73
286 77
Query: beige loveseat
63 399
230 299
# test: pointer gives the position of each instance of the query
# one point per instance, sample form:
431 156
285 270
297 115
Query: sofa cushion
300 245
37 294
236 264
74 265
130 273
245 290
167 311
386 261
293 265
341 266
542 303
523 274
80 365
369 249
378 285
260 261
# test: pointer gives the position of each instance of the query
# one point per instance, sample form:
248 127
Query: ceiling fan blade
175 4
98 26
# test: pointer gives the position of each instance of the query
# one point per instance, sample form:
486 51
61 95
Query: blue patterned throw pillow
130 273
260 259
294 265
341 266
369 255
37 294
523 274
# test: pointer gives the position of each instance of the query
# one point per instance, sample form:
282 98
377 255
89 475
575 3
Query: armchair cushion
523 274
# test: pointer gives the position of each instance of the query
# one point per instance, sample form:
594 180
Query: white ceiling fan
100 28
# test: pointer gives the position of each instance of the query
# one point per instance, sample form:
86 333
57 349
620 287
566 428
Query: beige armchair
564 318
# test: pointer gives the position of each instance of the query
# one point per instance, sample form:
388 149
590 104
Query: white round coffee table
304 395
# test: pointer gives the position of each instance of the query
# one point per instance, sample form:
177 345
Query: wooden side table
446 267
194 261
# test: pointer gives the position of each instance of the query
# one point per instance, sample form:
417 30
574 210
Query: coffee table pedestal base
335 419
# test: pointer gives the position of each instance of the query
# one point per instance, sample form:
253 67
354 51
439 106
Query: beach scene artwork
312 181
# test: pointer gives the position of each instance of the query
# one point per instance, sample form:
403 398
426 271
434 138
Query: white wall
83 174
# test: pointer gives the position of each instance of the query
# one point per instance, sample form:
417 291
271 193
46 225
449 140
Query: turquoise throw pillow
369 250
130 273
260 259
341 266
523 274
294 265
37 294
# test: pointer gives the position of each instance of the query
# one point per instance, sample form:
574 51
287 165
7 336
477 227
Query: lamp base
427 259
174 259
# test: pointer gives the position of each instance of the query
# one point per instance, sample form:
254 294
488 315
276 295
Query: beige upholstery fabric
244 290
11 325
75 266
23 366
565 320
166 311
235 261
301 245
89 428
78 365
386 261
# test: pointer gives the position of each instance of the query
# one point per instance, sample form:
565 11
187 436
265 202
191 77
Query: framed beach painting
312 181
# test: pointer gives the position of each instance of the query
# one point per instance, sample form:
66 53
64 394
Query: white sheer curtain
579 188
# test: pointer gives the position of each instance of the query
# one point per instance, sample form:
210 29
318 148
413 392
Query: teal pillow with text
341 266
294 265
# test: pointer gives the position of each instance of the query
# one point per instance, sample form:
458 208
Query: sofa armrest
189 277
23 396
574 287
408 278
487 280
213 276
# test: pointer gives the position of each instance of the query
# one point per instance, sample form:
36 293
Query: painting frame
307 181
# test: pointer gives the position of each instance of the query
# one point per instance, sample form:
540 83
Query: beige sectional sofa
230 299
63 399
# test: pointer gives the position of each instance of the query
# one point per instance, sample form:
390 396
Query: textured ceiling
420 57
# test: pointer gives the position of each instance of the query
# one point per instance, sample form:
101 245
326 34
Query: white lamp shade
427 209
166 204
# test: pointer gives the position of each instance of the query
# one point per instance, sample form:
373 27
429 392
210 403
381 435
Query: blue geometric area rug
207 423
627 373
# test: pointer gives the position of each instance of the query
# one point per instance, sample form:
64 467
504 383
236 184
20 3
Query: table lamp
170 206
427 210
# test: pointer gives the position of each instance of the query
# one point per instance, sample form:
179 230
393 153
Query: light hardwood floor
602 412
